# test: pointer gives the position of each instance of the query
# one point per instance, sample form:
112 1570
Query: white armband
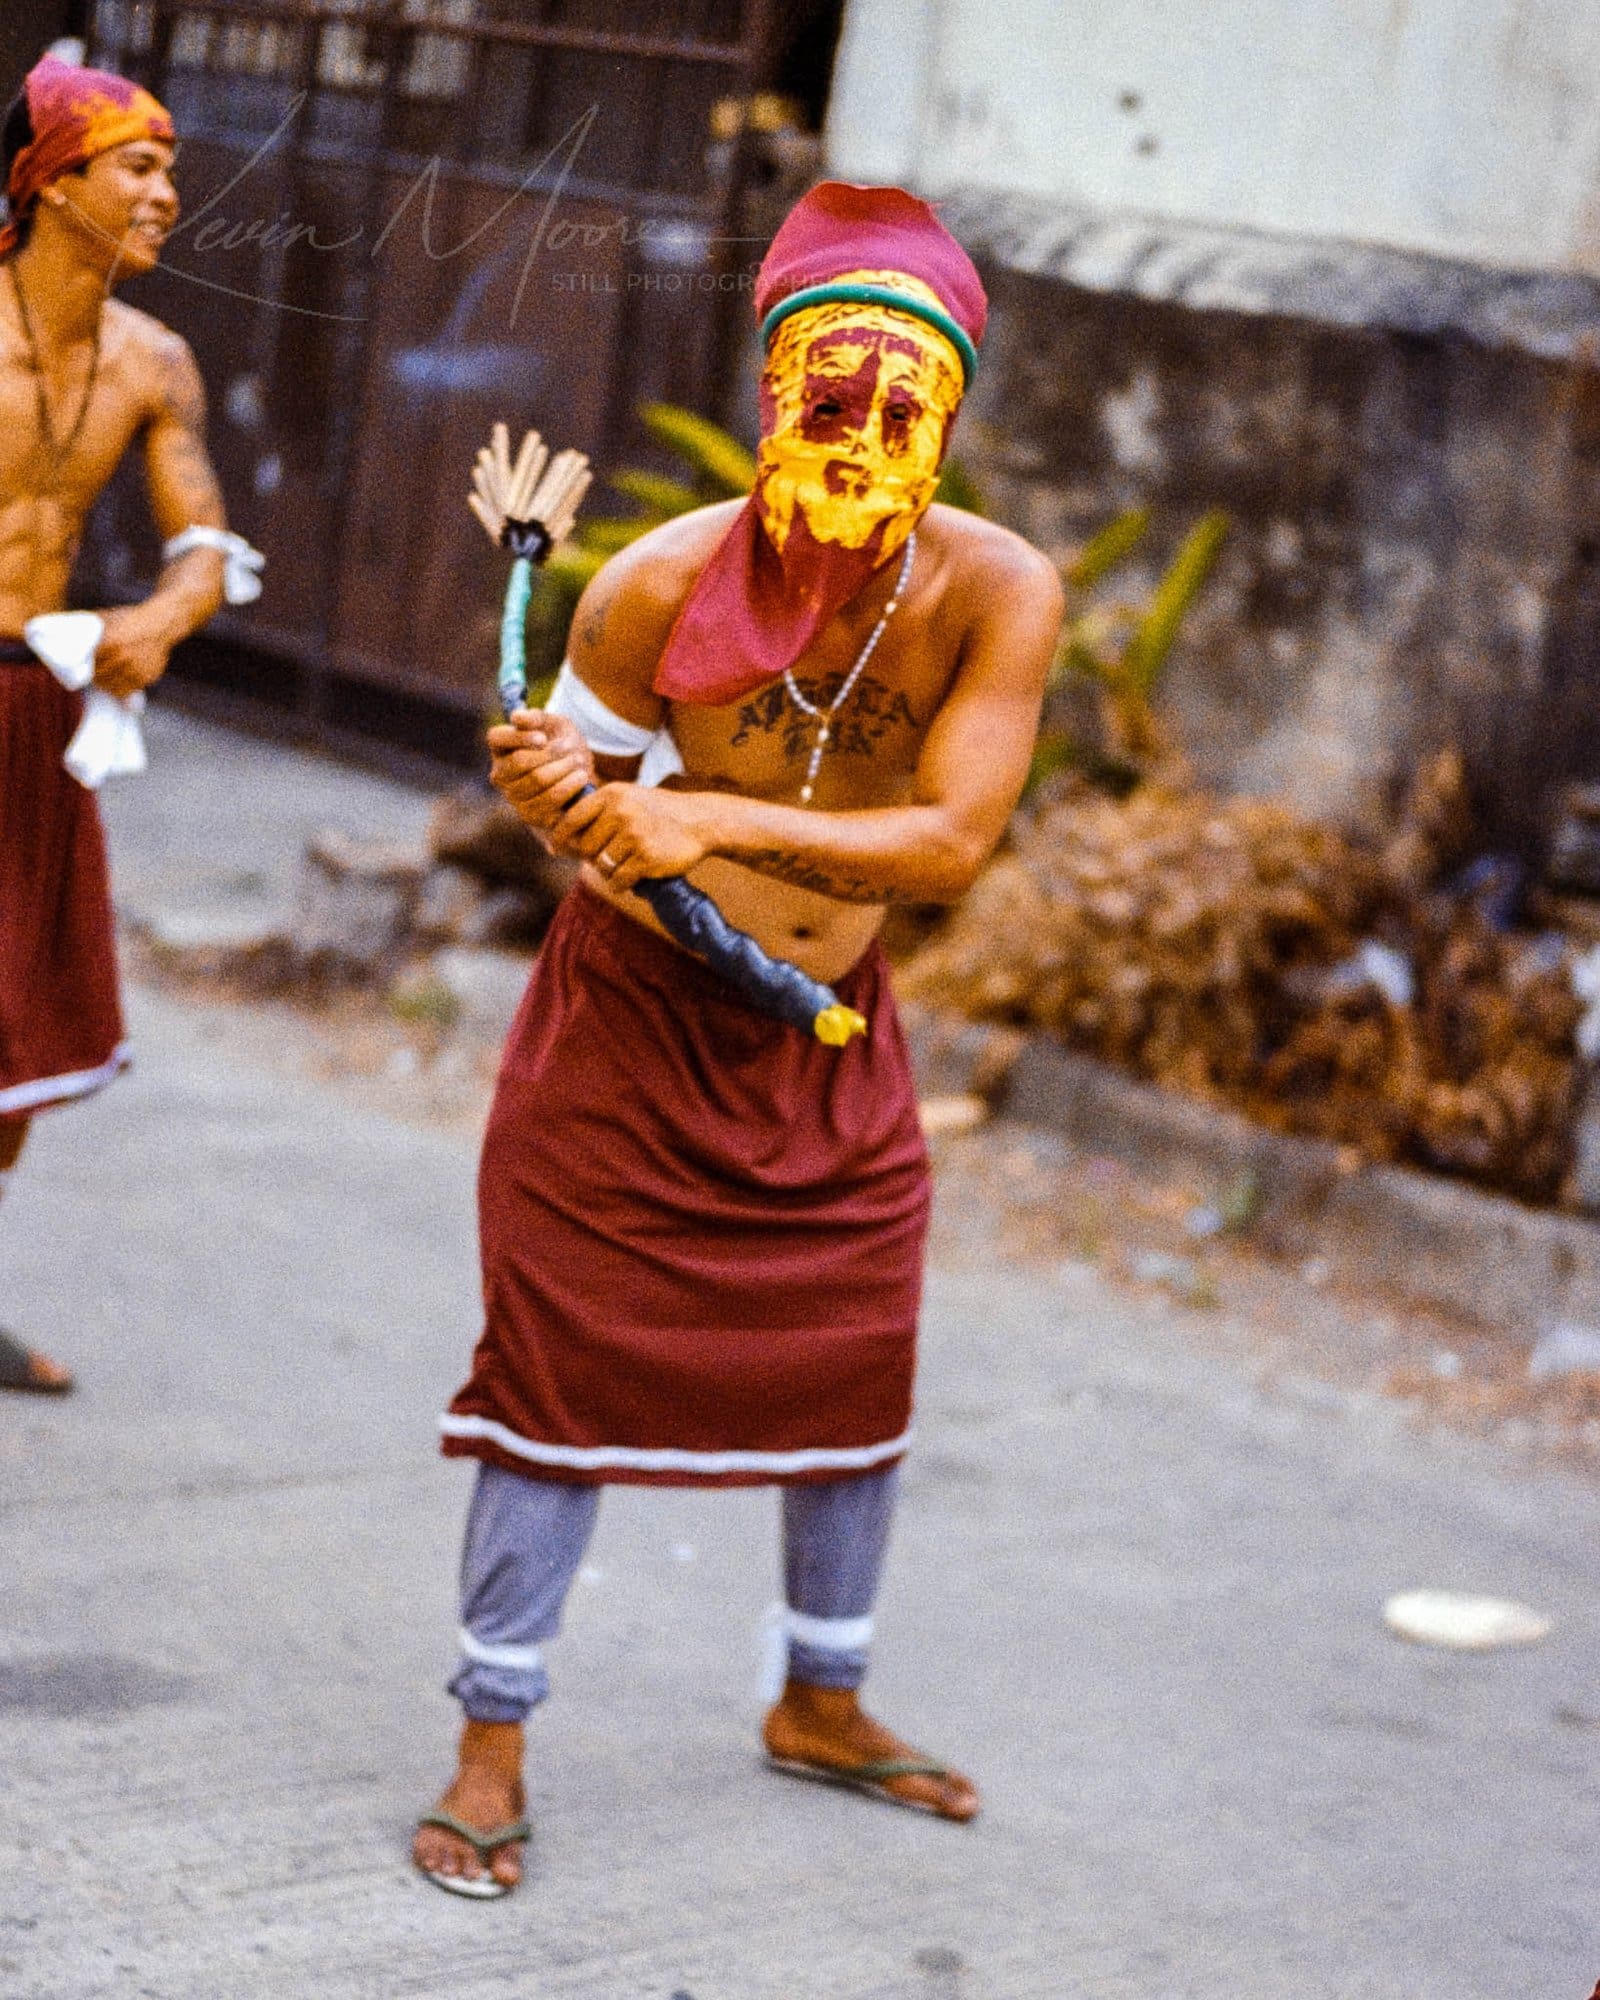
241 564
601 728
608 734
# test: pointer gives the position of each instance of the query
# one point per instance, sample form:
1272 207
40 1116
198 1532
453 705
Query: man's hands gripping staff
917 836
629 832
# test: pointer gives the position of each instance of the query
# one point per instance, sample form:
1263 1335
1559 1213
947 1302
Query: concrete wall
1415 497
1463 128
1330 265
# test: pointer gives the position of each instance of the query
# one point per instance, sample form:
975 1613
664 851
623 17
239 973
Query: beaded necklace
825 716
57 452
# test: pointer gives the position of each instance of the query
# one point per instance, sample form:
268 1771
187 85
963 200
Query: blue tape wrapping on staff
513 646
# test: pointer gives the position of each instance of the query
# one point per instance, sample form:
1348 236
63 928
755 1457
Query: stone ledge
1554 315
1439 1243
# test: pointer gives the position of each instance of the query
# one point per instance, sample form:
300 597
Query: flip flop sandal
18 1371
483 1888
869 1778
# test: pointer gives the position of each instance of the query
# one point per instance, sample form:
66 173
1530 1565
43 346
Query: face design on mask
856 404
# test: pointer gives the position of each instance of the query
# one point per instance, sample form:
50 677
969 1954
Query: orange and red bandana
76 115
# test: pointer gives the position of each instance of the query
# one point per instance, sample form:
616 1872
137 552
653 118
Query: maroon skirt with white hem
702 1231
60 1019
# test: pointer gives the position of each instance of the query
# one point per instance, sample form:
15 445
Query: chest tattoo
871 713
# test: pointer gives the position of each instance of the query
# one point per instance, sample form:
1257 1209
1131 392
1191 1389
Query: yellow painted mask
856 406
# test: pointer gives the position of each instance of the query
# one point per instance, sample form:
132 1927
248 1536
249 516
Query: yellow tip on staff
836 1024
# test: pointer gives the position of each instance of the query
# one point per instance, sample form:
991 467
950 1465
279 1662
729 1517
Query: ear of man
16 133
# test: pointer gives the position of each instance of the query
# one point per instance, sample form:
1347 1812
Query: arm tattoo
184 394
188 469
599 596
185 465
784 866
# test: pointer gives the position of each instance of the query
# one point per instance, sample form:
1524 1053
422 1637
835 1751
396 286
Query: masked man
702 1232
87 160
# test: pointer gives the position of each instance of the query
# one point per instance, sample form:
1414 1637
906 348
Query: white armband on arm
608 734
241 564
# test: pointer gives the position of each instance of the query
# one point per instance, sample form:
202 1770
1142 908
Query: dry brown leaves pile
1191 939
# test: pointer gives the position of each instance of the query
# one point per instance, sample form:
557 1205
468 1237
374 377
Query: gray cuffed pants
526 1537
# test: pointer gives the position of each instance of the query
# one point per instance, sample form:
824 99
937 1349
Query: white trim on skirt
636 1458
45 1090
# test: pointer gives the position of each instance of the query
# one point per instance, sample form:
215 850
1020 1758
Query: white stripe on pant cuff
520 1659
785 1627
827 1635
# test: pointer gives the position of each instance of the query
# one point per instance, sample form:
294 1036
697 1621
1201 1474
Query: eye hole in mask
857 402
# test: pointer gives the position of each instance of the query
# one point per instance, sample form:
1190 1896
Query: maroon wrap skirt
60 1021
702 1230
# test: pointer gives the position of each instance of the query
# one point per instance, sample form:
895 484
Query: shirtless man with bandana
702 1232
87 161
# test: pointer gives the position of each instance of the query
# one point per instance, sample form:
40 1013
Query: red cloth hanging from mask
753 611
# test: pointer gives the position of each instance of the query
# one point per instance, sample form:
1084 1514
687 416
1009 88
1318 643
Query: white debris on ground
1463 1623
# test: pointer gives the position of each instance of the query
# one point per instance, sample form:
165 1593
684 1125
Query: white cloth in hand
108 742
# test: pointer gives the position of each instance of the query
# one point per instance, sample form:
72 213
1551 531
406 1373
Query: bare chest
66 452
869 725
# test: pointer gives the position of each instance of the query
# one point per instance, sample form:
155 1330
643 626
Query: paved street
1136 1591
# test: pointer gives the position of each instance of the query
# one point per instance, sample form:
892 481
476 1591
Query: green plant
958 488
424 1000
1121 647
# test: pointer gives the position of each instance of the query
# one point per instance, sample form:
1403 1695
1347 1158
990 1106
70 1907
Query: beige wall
1464 128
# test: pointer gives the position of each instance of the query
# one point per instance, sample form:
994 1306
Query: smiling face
856 405
123 203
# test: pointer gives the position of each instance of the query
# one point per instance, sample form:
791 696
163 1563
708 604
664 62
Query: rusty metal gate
404 218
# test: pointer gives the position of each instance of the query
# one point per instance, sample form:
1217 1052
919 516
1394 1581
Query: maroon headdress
753 611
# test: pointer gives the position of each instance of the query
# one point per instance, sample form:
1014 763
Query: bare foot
827 1726
486 1792
22 1368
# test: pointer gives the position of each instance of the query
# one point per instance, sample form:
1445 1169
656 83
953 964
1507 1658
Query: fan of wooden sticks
538 489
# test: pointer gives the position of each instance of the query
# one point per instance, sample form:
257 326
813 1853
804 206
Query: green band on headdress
874 295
